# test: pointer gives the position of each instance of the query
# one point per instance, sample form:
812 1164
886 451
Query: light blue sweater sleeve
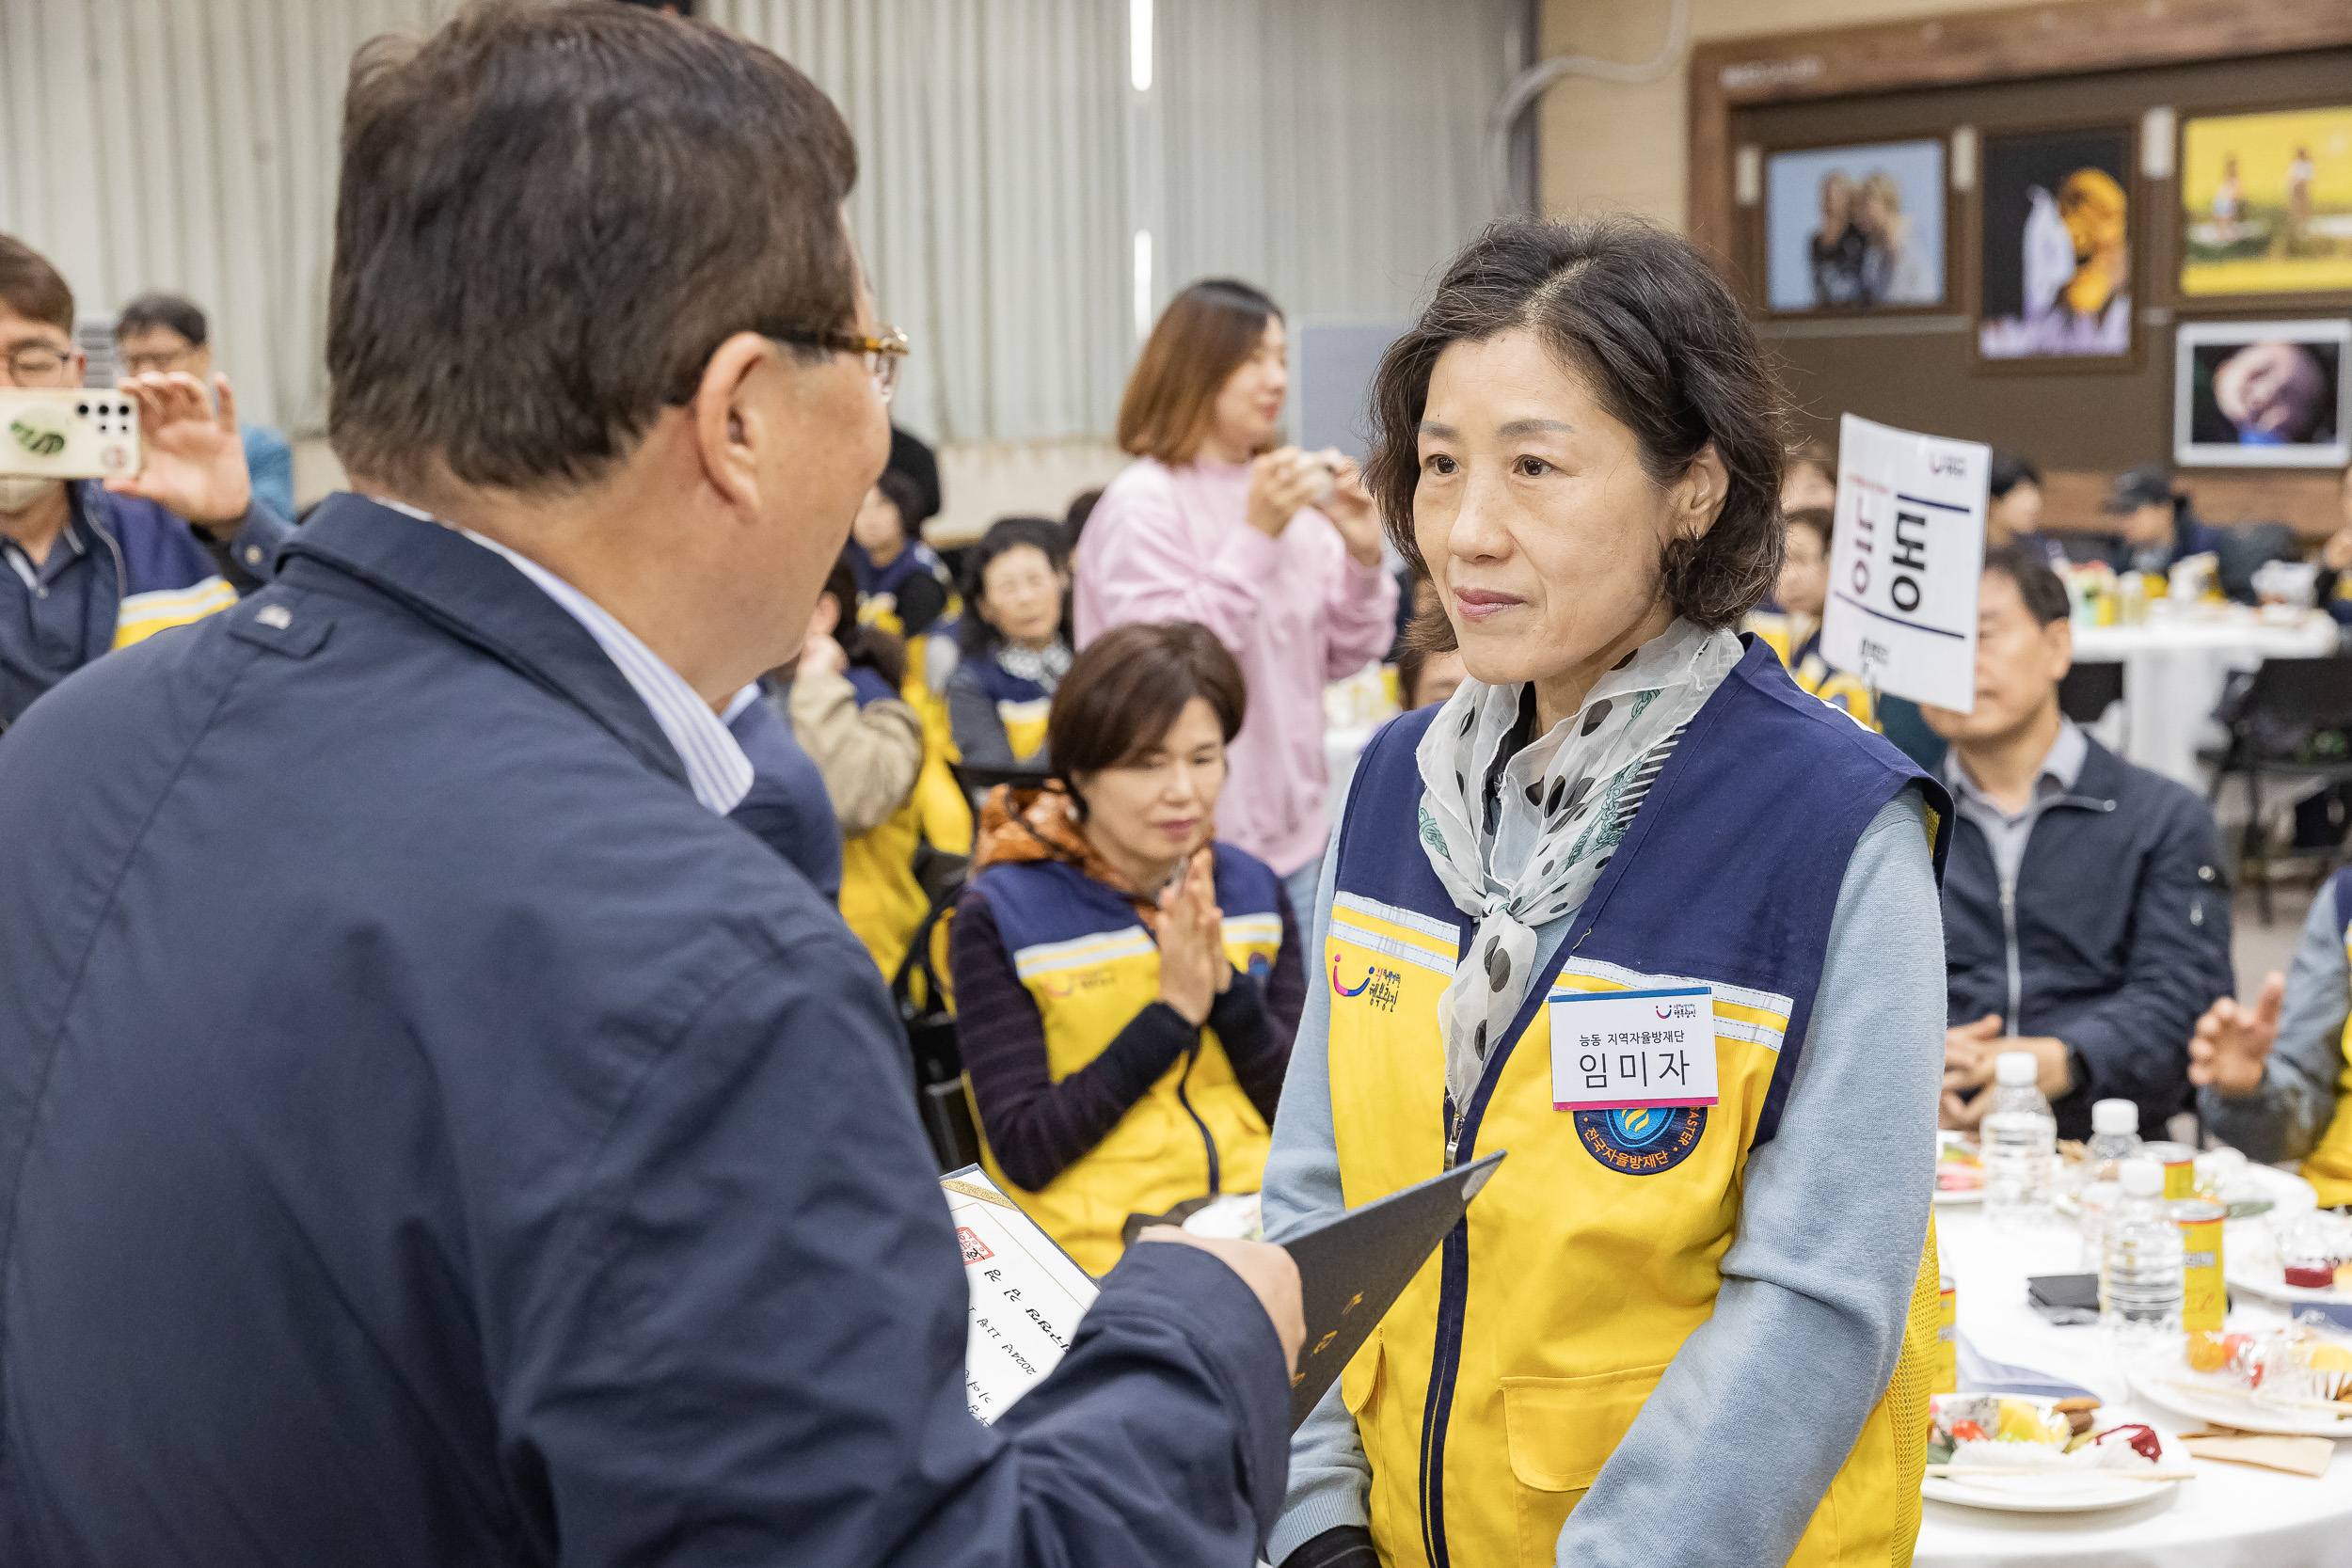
1811 1315
2284 1117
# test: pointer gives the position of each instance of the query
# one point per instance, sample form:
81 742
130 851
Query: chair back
2303 691
925 1005
2089 689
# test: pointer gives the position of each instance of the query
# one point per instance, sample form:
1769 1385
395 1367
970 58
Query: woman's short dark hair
975 637
1666 350
866 647
549 218
906 498
2044 595
2010 470
1204 334
1121 695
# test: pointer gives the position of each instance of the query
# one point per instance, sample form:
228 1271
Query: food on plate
1996 1432
2318 1274
2292 1364
2315 1252
2209 1352
1958 1167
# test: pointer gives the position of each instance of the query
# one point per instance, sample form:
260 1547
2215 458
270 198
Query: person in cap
2155 525
430 1133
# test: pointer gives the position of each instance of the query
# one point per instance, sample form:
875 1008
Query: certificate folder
1352 1269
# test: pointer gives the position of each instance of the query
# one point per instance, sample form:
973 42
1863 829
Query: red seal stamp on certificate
975 1250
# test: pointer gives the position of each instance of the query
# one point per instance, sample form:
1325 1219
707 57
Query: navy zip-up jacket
2122 935
498 1158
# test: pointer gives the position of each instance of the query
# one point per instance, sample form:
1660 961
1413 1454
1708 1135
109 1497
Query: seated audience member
1794 632
1015 644
1075 521
1127 985
2155 525
2013 512
1425 679
902 585
1810 479
2084 918
97 566
162 333
867 744
2275 1079
912 456
2335 561
787 808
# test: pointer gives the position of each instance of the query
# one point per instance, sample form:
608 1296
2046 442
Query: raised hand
2232 1044
1350 506
1192 951
193 456
1281 481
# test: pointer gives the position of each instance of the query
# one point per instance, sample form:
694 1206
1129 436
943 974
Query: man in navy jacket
2085 917
430 1131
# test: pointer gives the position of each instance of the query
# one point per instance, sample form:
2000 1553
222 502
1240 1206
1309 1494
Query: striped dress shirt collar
716 769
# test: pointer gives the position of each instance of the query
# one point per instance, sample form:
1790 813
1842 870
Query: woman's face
1441 676
1248 408
2019 512
1542 531
1156 807
1021 595
877 528
1803 586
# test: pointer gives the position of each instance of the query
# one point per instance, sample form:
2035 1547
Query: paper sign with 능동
1028 1296
1903 567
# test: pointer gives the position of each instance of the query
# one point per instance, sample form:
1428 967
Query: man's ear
1699 497
728 428
2059 635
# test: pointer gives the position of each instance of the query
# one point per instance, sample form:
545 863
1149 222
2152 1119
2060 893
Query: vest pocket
1561 1431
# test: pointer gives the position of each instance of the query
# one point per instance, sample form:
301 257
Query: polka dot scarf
1561 804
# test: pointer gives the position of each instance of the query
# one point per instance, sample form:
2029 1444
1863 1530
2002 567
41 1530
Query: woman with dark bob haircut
1126 983
1633 907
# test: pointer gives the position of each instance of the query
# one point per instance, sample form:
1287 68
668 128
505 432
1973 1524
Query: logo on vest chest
1075 982
1642 1141
1380 986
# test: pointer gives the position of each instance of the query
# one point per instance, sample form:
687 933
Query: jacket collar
476 597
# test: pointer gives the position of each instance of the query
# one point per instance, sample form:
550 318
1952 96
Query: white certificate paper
1629 1049
1028 1296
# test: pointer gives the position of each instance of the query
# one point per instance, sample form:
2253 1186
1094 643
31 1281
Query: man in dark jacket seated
2086 918
430 1131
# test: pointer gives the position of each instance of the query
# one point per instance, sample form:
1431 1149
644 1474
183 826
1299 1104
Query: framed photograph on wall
2267 203
2053 248
1857 227
2261 394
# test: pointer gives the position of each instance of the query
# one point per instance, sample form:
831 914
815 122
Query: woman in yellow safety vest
1127 985
1633 907
1794 631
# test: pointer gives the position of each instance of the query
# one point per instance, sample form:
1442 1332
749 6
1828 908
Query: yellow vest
2329 1167
1795 640
1090 968
1497 1387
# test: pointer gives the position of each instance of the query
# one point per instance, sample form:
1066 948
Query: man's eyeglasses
162 361
38 365
882 354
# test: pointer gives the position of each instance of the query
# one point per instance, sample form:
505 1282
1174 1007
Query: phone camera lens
82 409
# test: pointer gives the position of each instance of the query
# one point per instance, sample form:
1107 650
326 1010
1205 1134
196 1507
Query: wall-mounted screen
2261 394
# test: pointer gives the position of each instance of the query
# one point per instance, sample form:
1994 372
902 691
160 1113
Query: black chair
2089 689
927 1013
2286 721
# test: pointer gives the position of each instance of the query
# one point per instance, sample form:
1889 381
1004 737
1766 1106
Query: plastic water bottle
2141 1286
2018 1143
2114 1138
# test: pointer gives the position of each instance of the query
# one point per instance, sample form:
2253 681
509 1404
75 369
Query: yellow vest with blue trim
882 901
1023 706
1493 1393
2329 1167
1802 656
1091 966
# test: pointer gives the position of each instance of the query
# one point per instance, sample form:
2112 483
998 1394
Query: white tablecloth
2173 672
2232 1516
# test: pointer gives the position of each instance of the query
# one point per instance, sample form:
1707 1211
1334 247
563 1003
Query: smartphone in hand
69 433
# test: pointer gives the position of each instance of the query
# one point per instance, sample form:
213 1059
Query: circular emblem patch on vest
1642 1141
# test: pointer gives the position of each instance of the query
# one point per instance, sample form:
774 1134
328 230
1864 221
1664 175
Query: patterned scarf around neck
1561 805
1038 825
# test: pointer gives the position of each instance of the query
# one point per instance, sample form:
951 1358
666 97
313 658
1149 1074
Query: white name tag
1623 1050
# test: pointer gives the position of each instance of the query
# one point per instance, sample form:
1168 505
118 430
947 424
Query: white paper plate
1964 1194
2223 1407
2076 1492
2289 1192
2268 1280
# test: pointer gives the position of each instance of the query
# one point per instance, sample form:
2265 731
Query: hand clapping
1194 970
2232 1043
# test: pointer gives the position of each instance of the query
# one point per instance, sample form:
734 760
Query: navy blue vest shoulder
1001 685
1039 902
1730 869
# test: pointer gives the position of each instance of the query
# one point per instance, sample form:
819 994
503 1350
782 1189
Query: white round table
2231 1516
2175 666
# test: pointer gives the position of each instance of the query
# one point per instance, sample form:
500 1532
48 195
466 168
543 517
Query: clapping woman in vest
1633 907
1127 986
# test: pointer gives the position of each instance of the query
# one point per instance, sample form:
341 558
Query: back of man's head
2037 586
550 218
31 288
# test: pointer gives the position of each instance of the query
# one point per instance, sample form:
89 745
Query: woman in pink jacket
1275 549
